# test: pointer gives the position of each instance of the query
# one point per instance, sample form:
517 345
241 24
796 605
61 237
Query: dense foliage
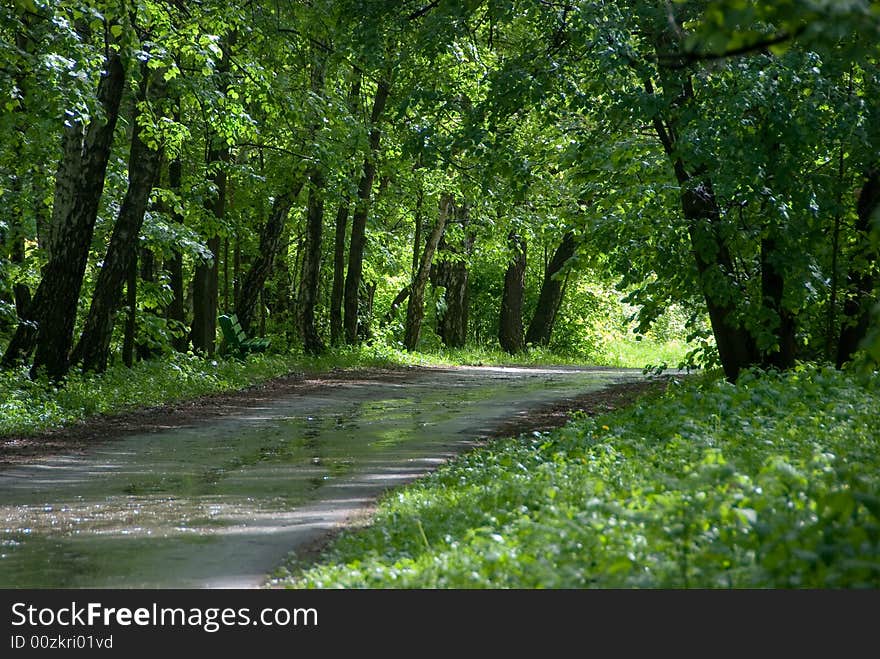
771 482
464 172
371 179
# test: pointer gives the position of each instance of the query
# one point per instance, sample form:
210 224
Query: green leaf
780 48
26 6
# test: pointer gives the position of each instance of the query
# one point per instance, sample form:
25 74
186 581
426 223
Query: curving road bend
220 504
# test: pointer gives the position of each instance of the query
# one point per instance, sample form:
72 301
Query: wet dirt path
221 503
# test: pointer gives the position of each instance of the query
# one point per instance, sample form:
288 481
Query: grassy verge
30 406
774 482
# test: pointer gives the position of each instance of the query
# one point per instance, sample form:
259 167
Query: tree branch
680 60
424 10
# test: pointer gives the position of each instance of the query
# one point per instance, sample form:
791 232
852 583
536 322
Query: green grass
28 406
620 352
772 483
641 354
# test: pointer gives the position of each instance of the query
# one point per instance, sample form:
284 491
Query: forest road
219 502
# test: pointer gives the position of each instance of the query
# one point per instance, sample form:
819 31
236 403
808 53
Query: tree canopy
316 167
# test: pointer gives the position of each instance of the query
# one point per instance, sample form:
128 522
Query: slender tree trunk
417 237
176 311
148 274
296 275
541 326
206 279
236 269
130 332
354 274
417 251
308 284
226 307
365 310
270 244
415 310
78 189
399 299
336 293
281 284
772 290
861 283
831 329
510 325
21 294
15 237
143 167
311 271
205 297
340 228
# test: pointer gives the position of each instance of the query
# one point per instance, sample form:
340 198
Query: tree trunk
404 292
452 274
353 277
277 292
78 189
21 294
399 299
336 293
860 280
143 168
176 311
510 325
736 347
236 269
550 297
205 297
148 274
206 279
772 289
15 237
261 266
226 307
308 283
365 310
130 332
311 270
415 309
417 234
340 227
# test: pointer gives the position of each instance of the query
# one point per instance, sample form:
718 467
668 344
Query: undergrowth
771 483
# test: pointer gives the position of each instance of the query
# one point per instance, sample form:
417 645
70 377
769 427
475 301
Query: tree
510 323
121 257
552 290
353 277
79 184
206 280
415 307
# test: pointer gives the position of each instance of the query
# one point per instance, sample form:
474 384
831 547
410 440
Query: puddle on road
221 504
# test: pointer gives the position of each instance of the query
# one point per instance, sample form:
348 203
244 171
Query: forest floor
79 437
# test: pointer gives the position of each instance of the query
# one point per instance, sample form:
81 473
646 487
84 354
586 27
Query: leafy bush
773 482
